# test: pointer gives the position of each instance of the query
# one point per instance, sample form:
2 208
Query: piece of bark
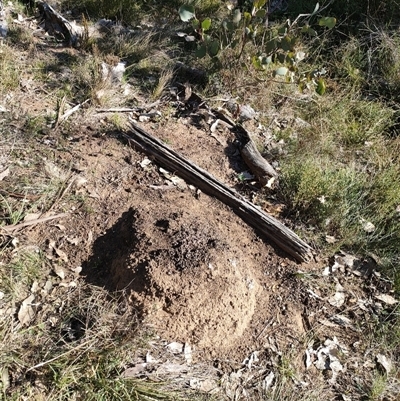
256 163
248 150
57 25
256 218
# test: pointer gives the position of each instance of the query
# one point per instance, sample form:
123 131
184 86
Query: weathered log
256 163
56 24
248 150
268 226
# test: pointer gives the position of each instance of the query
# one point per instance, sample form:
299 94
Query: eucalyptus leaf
201 51
281 71
213 48
237 16
206 24
329 22
186 12
321 87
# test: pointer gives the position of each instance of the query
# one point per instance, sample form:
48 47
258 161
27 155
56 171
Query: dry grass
338 171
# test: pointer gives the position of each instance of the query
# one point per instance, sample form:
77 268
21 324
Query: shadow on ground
114 245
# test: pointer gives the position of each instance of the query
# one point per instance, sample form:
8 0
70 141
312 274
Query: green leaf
271 46
237 16
213 48
201 51
281 71
281 58
228 25
206 24
247 18
286 44
234 43
261 13
256 61
186 12
282 31
196 24
307 29
329 22
259 3
312 32
321 87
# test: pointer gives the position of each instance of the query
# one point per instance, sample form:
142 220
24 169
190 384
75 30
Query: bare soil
195 272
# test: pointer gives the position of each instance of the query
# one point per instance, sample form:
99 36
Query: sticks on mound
268 226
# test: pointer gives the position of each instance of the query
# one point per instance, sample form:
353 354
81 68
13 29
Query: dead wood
256 163
15 227
260 221
248 150
57 25
71 111
117 110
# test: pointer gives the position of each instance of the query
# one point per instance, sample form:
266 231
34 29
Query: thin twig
72 111
63 192
39 365
15 227
117 110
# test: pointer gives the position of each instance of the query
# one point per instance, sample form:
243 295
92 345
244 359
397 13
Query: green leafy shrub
273 48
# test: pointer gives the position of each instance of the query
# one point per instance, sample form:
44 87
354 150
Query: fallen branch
256 163
56 24
116 110
248 150
260 221
71 111
15 227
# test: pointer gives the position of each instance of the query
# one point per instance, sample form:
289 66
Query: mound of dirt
193 270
